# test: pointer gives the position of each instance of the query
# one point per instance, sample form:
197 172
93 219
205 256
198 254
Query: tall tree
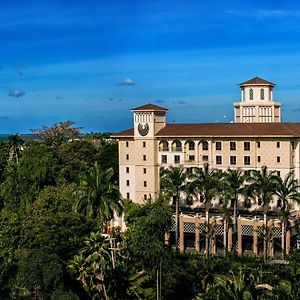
58 133
205 182
233 187
99 195
262 188
172 185
15 143
287 191
93 264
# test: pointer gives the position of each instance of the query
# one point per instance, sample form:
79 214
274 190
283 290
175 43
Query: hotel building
256 138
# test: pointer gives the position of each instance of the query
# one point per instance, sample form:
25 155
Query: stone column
167 239
240 246
181 234
271 249
230 238
197 235
288 241
256 113
214 244
255 249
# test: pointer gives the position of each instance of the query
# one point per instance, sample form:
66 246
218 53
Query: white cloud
16 93
126 81
265 13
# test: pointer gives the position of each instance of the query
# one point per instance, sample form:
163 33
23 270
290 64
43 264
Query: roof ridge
257 80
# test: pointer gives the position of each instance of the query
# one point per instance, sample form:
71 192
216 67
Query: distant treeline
33 136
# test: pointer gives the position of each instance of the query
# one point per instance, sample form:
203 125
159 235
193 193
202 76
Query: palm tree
205 183
226 212
288 194
233 187
262 188
15 145
233 286
92 265
99 195
172 184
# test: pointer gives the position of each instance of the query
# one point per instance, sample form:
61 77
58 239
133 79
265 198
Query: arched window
251 94
176 145
191 145
204 145
262 94
163 146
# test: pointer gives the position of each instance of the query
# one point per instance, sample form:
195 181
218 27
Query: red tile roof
223 129
150 106
231 129
124 133
258 81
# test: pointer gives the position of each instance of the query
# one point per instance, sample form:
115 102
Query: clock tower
148 120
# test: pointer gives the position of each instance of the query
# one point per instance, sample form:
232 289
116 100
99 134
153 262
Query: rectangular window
145 170
144 157
127 182
218 145
233 160
177 159
258 158
278 159
127 144
128 196
246 160
278 173
205 157
293 159
246 146
164 159
191 157
218 159
145 183
127 169
278 144
144 144
145 197
127 156
233 146
258 144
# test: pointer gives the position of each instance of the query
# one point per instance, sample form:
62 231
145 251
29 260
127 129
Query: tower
257 104
148 120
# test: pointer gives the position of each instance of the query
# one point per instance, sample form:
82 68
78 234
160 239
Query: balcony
176 149
163 148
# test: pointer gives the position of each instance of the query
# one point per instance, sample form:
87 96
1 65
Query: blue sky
91 61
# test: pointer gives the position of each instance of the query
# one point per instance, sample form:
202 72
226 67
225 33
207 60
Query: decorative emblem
143 129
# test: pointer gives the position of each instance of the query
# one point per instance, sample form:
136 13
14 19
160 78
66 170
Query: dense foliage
56 199
40 230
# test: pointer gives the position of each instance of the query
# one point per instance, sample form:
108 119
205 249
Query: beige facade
247 144
257 104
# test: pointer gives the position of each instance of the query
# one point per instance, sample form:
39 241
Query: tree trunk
265 237
207 238
234 223
225 233
283 238
177 221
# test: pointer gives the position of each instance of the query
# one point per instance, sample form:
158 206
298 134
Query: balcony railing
176 149
163 149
